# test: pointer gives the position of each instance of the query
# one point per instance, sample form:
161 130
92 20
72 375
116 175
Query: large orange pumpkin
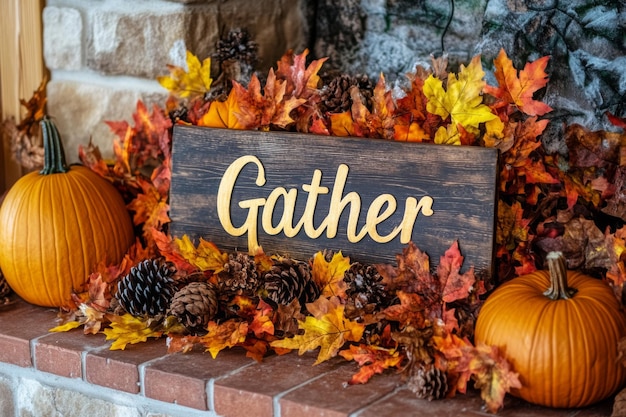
562 341
57 224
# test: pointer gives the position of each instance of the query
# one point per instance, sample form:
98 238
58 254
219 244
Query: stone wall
104 55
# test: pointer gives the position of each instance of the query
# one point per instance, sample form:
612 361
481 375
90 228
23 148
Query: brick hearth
56 371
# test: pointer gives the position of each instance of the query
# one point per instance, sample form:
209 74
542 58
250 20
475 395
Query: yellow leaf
128 329
194 82
206 257
448 136
329 275
462 100
329 330
223 114
66 327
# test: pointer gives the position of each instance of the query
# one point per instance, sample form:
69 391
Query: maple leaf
410 311
261 323
194 81
448 135
169 249
411 117
66 327
151 209
127 329
327 329
301 81
181 343
341 124
519 91
206 256
223 114
328 275
412 273
259 111
455 286
462 100
372 360
224 335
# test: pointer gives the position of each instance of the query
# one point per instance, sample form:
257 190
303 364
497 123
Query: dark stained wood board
461 181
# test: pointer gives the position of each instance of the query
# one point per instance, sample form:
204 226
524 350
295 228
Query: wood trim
21 68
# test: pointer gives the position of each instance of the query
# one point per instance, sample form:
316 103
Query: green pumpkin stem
54 155
558 278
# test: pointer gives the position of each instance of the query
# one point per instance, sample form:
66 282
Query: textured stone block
62 38
7 406
80 109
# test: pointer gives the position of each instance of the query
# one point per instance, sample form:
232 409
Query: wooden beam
21 69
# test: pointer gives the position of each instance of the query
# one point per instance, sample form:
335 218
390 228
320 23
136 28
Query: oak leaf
328 275
328 330
193 81
462 99
372 360
519 90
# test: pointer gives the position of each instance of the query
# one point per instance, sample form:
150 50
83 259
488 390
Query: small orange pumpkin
57 224
562 341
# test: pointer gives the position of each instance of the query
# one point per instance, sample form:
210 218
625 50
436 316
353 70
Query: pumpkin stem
54 155
558 278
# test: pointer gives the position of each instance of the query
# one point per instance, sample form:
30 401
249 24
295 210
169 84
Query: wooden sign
296 194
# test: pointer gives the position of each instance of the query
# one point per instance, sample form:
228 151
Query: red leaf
456 286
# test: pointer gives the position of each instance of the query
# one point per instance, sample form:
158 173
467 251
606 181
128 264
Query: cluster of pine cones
152 289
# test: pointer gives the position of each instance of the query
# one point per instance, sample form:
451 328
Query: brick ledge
144 378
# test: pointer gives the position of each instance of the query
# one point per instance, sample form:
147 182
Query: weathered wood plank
460 180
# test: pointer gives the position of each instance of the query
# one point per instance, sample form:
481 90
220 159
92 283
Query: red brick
329 396
119 369
61 353
251 391
20 323
182 378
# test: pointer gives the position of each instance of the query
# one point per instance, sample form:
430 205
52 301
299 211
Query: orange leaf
410 311
456 286
520 90
372 360
224 335
206 256
341 124
223 114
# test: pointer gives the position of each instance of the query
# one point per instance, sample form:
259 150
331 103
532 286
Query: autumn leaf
328 330
206 256
127 329
519 90
372 360
224 335
411 118
261 323
171 251
66 327
448 135
462 100
223 114
194 81
342 124
412 273
151 209
328 275
181 343
410 311
301 81
455 286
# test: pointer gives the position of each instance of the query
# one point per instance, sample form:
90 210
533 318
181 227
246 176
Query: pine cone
429 383
194 305
237 45
289 279
147 289
366 292
239 276
336 94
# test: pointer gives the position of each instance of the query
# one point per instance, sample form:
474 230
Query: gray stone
7 406
80 109
62 38
37 400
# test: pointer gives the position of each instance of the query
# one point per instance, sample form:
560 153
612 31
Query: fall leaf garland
420 318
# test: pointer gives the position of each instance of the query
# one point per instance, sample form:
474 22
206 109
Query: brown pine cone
289 279
239 276
429 383
365 292
336 94
194 305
